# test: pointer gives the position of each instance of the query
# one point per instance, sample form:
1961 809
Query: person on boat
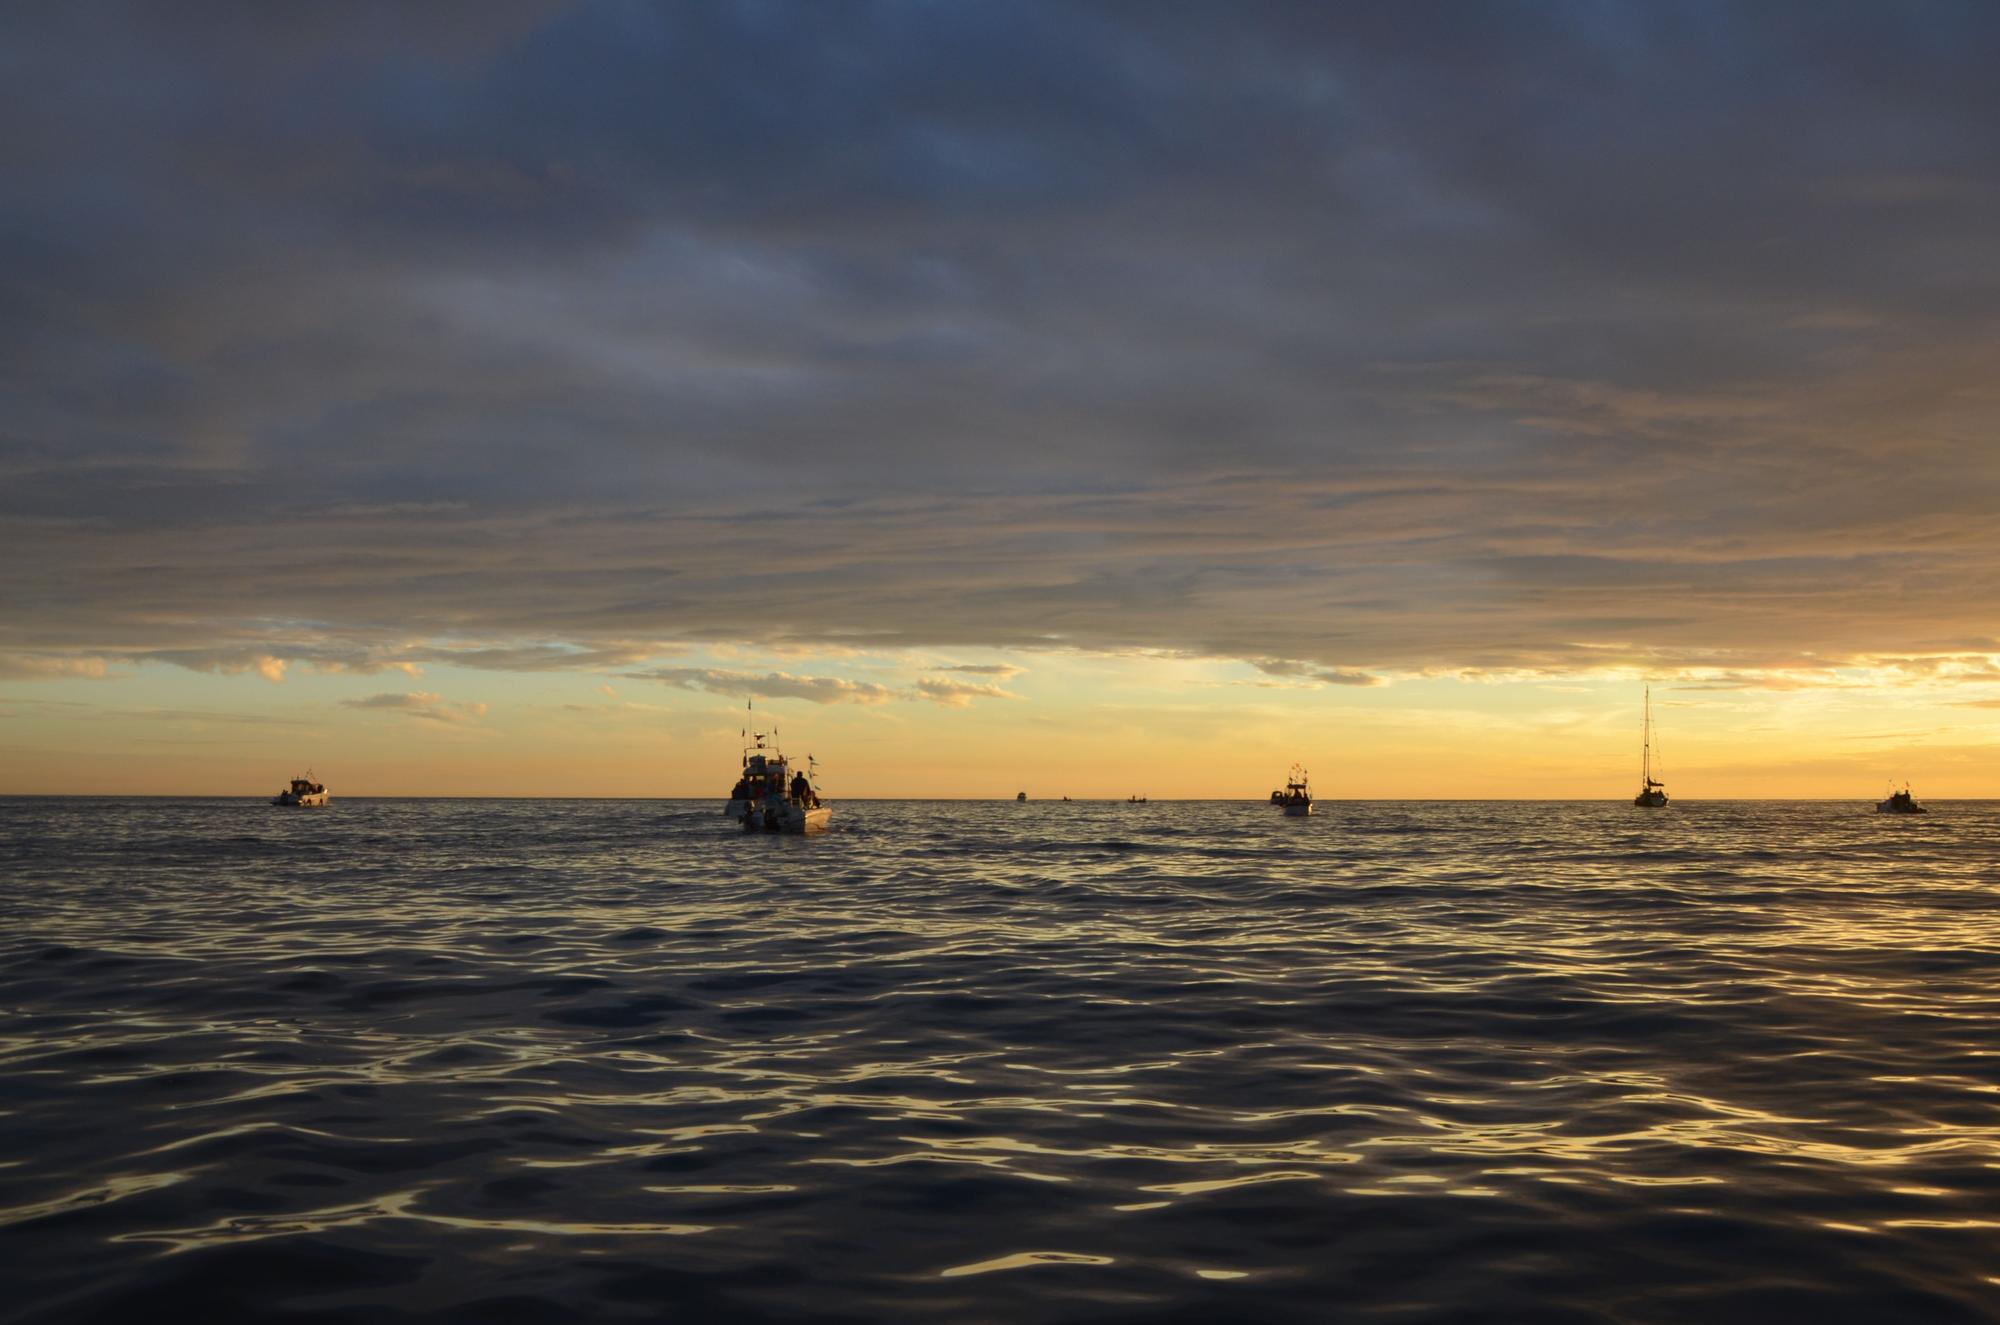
802 791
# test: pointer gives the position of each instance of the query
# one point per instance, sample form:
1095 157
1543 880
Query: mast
1646 746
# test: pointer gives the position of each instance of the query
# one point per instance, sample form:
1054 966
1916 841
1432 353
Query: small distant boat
1020 795
1901 802
303 791
1135 800
1652 793
1065 800
1297 797
772 798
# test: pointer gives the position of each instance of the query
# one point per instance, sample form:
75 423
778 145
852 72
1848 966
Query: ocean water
493 1061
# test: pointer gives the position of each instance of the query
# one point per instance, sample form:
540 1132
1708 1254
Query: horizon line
1007 800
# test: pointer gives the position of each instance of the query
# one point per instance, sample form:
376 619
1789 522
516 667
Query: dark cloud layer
1338 339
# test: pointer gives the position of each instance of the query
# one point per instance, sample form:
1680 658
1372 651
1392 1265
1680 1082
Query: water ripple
589 1060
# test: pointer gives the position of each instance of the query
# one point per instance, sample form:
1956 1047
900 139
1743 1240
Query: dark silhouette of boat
1652 792
772 795
303 791
1297 798
1901 802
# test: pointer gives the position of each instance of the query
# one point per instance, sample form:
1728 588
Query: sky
1092 399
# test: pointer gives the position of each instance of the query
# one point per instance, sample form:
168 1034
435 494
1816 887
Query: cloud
819 689
414 699
45 667
1003 671
545 656
958 694
1305 671
771 685
368 667
268 666
575 335
1604 409
421 705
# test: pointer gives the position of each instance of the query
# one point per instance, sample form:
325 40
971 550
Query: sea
593 1060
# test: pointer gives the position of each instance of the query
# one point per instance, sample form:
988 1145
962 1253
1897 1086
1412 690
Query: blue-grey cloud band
1343 342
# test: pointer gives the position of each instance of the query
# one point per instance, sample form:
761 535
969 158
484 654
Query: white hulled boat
771 797
1652 793
1297 798
303 791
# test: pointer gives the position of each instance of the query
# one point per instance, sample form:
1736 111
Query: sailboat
1652 793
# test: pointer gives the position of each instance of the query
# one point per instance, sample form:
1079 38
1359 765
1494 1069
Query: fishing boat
303 791
1901 802
1020 795
1297 798
1652 792
1135 800
772 797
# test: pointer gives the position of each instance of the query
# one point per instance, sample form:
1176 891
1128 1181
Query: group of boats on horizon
1653 792
774 796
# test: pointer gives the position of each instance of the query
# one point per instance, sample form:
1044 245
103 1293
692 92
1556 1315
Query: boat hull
312 798
1297 811
786 818
1650 800
1886 808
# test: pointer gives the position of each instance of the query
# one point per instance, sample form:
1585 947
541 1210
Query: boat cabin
768 775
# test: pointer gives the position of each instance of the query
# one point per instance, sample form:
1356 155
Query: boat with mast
1297 798
771 796
304 790
1652 792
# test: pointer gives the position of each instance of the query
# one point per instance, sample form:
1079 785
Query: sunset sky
1092 399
